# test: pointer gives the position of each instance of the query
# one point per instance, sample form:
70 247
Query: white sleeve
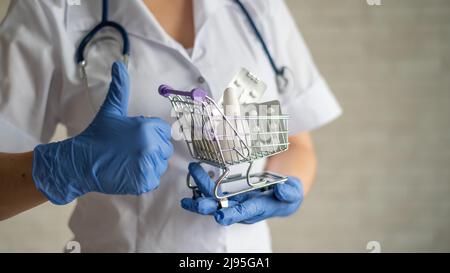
310 104
29 82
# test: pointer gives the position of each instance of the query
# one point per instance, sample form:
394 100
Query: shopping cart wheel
196 193
223 203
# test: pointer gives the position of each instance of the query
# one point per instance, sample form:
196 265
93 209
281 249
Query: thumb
202 179
116 101
290 191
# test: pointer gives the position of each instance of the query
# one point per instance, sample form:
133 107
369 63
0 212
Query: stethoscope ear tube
81 61
126 43
283 80
103 24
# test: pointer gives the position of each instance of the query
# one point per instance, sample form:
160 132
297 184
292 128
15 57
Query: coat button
211 174
201 79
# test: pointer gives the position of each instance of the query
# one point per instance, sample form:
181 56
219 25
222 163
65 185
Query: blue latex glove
247 208
116 154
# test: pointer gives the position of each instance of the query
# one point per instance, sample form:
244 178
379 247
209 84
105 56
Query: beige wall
384 166
383 171
3 8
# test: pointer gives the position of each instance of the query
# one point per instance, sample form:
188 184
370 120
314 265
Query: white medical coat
40 86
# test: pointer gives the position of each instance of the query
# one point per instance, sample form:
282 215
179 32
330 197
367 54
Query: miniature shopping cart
222 141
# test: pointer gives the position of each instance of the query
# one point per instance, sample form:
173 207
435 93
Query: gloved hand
247 208
116 154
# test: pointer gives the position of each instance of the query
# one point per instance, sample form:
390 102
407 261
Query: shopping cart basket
222 141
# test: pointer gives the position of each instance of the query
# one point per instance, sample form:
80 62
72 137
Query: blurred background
384 171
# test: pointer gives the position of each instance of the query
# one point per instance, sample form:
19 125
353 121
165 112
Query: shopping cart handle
196 94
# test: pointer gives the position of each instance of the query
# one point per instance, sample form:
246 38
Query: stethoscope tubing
280 72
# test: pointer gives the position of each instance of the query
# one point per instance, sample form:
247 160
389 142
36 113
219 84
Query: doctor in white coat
185 43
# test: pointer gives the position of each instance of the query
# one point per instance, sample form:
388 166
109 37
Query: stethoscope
283 75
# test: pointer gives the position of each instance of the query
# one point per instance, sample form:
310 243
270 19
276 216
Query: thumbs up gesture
116 154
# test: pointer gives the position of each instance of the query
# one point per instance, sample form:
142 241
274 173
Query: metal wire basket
222 141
